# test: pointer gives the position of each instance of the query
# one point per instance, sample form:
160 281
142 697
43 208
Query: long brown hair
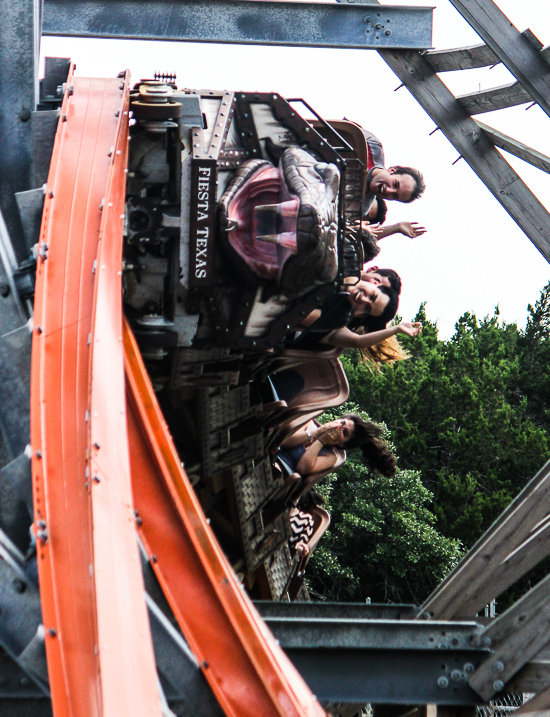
376 453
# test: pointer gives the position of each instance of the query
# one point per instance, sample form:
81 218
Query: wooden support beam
518 149
534 677
496 98
516 636
462 131
458 593
473 56
515 51
462 58
501 571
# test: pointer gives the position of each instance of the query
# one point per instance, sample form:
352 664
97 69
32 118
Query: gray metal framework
243 21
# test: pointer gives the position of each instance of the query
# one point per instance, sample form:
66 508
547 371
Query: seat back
325 386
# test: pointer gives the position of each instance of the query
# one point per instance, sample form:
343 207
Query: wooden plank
472 56
513 49
518 149
461 58
534 677
516 636
499 574
496 98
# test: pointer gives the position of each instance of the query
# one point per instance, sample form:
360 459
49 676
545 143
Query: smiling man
401 184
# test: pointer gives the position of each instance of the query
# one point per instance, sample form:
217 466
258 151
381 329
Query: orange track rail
99 648
89 456
247 670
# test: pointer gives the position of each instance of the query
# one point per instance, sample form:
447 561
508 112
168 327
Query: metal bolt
42 535
153 559
4 289
24 115
19 586
378 26
41 524
442 682
498 685
52 632
368 20
63 118
38 454
96 479
486 641
387 33
456 675
469 668
498 666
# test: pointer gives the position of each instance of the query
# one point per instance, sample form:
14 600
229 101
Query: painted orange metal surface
248 672
99 650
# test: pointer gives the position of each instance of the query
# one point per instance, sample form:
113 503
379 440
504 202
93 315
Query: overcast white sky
474 255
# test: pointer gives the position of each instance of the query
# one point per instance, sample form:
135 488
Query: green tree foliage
467 413
470 422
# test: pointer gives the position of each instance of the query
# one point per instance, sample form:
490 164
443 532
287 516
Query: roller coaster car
242 216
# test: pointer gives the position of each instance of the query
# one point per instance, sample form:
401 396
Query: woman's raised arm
346 339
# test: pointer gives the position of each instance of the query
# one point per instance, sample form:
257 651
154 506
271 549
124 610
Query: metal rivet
498 685
442 682
498 666
19 585
52 632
